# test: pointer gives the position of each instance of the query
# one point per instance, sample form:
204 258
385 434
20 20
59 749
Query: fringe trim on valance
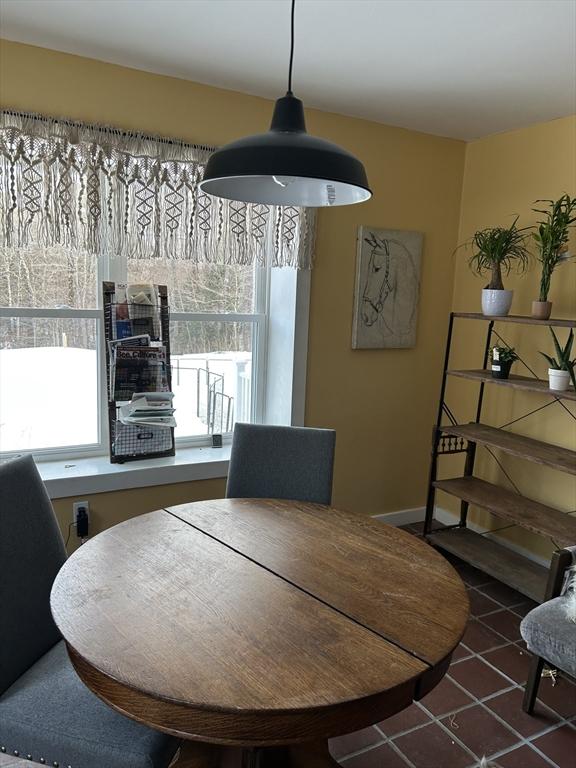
104 190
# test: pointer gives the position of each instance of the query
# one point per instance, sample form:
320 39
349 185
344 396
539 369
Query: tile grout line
500 672
519 745
500 605
548 759
453 738
478 653
362 750
475 701
458 741
399 752
366 750
523 740
508 640
520 740
491 696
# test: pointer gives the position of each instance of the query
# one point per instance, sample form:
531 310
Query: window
52 391
78 190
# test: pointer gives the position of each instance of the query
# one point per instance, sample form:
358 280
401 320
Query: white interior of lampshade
285 190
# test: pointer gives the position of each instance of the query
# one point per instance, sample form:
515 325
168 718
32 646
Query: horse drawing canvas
387 288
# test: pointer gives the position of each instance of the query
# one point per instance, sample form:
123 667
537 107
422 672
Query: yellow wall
380 402
504 175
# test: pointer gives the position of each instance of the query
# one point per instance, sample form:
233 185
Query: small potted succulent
502 359
561 370
497 250
552 246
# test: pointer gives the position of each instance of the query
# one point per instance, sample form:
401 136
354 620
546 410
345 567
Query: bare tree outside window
50 328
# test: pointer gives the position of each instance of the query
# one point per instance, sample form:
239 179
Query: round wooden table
262 626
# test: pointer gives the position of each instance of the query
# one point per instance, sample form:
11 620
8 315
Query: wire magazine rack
133 442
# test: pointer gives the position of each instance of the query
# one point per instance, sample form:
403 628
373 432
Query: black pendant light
286 166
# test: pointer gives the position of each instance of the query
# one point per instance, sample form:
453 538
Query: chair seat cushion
49 713
549 633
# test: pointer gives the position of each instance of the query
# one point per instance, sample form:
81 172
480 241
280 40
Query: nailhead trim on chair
29 757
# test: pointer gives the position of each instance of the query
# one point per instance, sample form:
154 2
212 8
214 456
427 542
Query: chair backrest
31 554
281 463
561 572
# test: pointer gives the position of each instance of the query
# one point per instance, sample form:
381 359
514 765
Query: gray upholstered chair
547 629
47 715
281 463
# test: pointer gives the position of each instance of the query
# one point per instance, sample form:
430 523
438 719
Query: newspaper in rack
152 409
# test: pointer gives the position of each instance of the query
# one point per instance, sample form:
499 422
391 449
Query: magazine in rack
138 369
141 413
136 311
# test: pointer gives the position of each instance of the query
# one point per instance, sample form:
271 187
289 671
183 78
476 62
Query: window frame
115 269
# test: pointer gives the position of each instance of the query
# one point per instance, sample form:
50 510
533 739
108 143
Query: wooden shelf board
517 445
525 319
515 382
529 514
502 563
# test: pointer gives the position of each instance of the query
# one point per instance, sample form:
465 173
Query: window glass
49 366
198 287
211 375
48 383
48 277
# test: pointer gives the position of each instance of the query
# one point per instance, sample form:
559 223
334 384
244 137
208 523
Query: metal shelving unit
453 438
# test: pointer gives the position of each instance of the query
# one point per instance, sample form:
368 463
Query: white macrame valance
107 191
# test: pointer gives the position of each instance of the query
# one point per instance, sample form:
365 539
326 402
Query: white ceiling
460 68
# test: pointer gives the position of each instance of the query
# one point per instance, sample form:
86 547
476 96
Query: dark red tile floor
476 710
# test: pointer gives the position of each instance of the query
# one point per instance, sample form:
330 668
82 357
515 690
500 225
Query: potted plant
561 371
497 250
502 359
552 243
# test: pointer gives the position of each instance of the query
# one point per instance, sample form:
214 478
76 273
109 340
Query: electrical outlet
81 517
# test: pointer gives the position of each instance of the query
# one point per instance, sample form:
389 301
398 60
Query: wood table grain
258 628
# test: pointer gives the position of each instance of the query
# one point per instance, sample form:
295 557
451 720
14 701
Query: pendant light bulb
284 181
286 166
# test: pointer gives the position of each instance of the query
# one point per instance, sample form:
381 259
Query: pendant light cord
291 48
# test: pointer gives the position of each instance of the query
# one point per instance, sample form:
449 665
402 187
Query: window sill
97 475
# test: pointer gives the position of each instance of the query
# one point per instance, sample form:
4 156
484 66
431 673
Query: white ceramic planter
496 303
559 380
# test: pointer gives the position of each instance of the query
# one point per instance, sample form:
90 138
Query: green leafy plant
551 236
563 360
497 250
505 354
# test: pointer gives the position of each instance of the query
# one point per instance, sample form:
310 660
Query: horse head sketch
391 286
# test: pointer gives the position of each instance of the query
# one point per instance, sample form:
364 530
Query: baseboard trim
402 517
416 515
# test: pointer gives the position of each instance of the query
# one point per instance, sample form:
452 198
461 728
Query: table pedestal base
314 755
